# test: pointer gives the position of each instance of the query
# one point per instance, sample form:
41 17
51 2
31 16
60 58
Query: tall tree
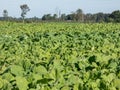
5 14
24 9
63 17
55 16
88 18
79 15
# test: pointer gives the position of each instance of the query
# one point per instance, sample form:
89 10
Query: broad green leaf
6 85
117 83
40 70
22 83
73 79
111 77
26 64
54 88
112 88
32 89
45 88
37 76
17 70
65 88
56 63
76 87
3 69
1 83
52 74
8 76
93 85
113 65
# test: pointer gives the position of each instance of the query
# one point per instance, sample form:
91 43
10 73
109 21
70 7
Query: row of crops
59 56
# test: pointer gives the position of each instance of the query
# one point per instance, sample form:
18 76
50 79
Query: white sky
41 7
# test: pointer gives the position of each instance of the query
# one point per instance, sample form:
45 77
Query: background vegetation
77 16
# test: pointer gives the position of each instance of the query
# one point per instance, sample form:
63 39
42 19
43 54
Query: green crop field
59 56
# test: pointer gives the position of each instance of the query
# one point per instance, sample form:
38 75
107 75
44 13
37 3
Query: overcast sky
41 7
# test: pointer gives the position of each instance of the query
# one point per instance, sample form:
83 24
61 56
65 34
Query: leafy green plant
59 56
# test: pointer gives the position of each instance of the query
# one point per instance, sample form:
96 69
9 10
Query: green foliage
59 56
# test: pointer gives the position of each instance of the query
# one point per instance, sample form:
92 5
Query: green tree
100 17
47 17
115 15
24 9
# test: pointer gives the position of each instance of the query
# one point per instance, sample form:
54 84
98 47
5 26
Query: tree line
77 16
